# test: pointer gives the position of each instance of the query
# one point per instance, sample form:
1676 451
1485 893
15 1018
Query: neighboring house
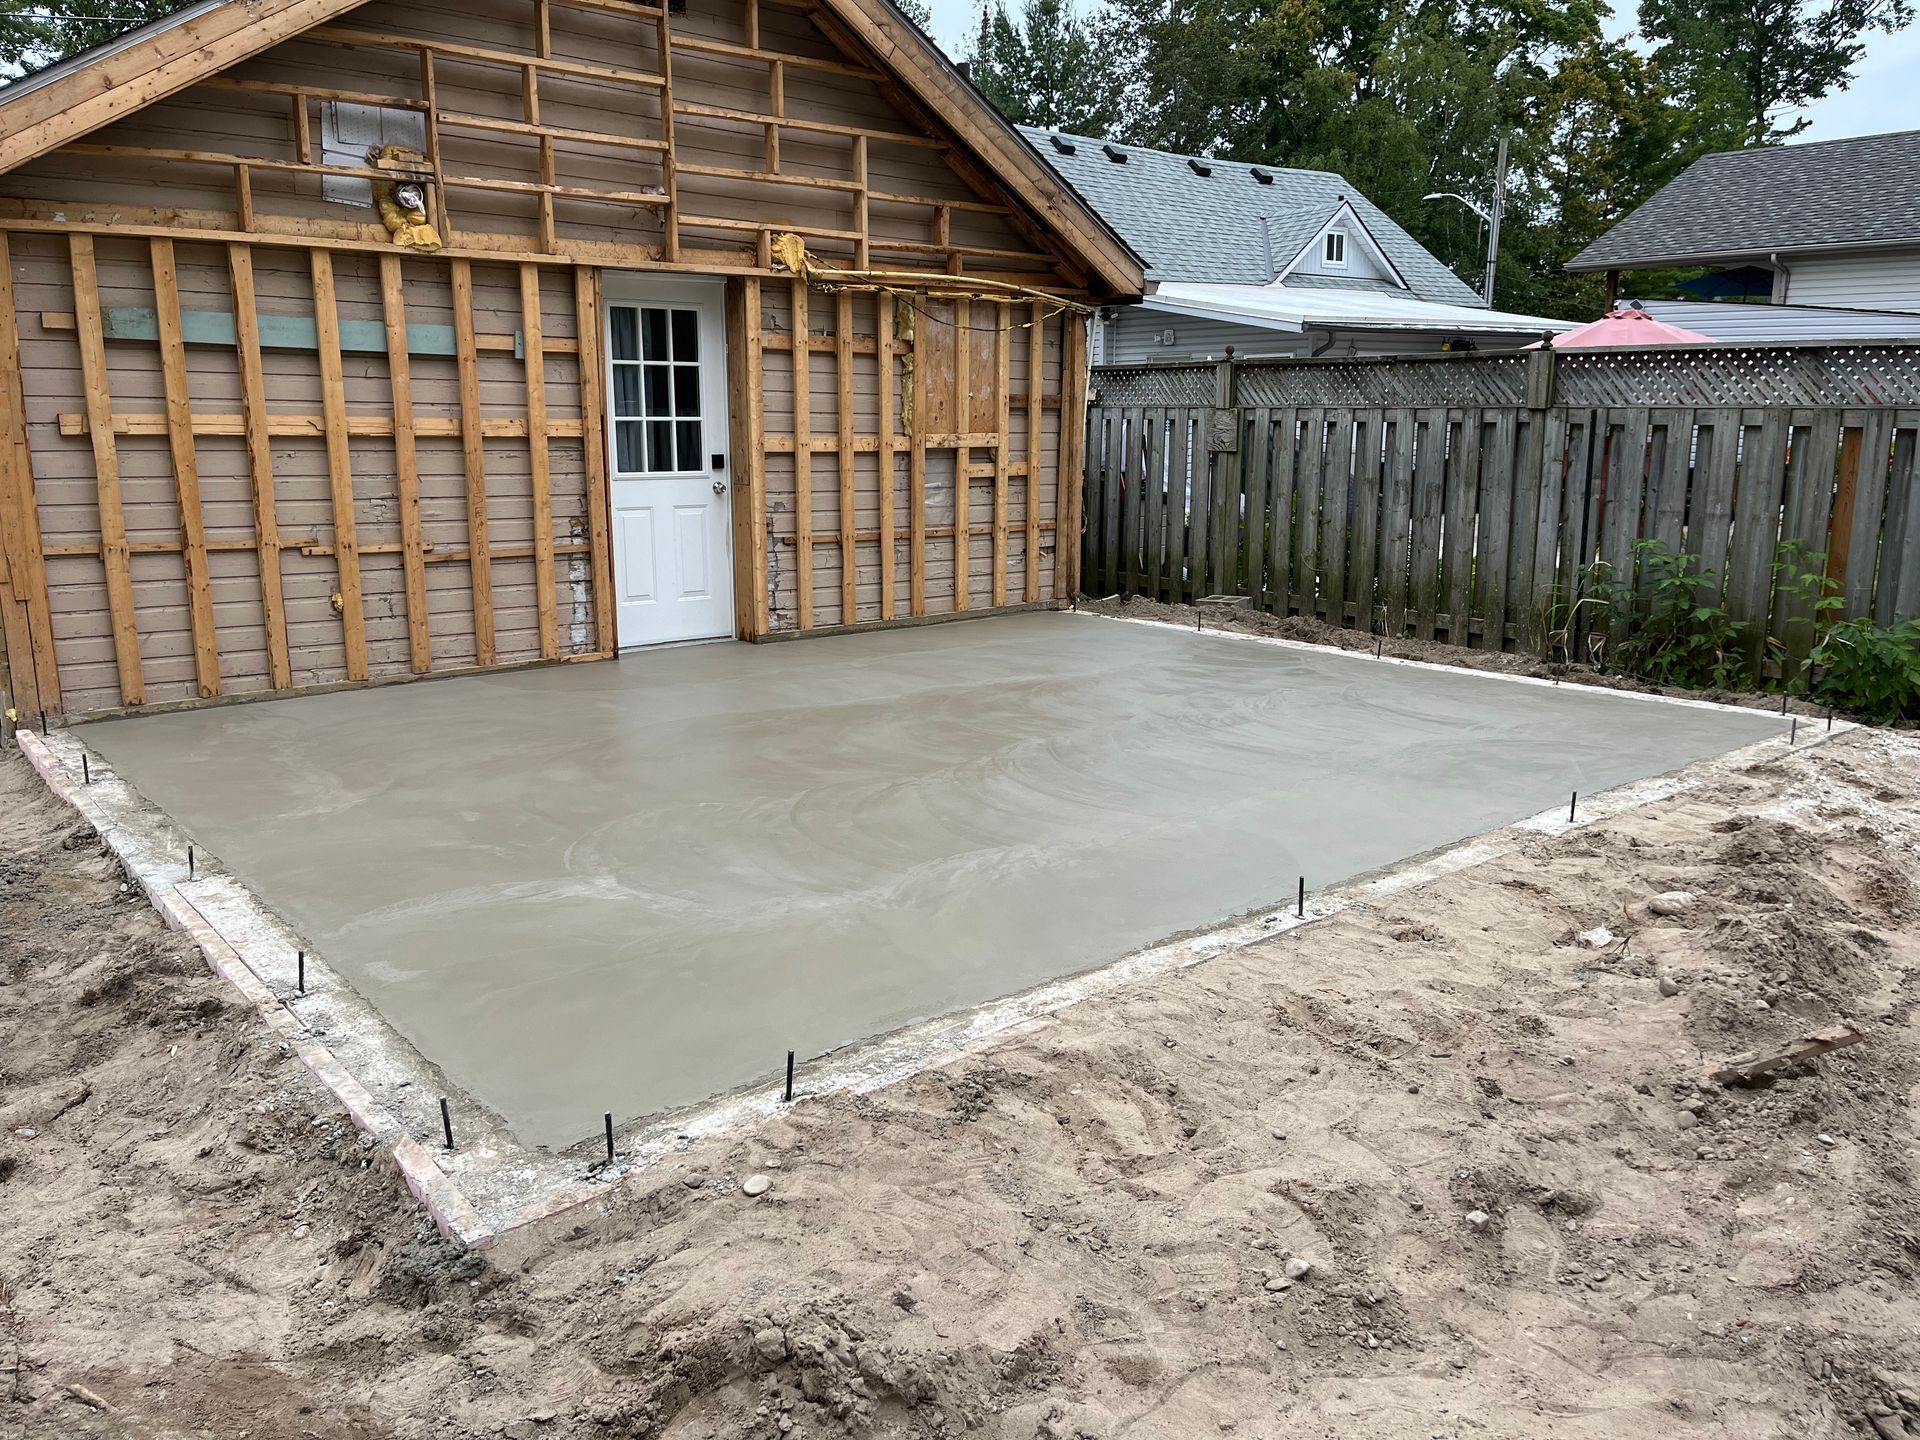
1835 224
1269 261
342 342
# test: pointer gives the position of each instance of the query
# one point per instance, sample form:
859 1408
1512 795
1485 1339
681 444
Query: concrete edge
452 1213
1545 682
885 1060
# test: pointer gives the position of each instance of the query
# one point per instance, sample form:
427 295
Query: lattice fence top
1742 375
1152 385
1466 380
1692 375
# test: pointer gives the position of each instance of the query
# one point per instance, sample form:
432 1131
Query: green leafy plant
1869 670
1661 626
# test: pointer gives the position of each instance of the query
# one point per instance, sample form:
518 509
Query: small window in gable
348 133
1336 248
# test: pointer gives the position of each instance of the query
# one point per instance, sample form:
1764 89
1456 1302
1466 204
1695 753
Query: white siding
1869 280
1360 262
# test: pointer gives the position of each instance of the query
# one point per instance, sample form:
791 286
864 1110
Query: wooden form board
1481 525
208 521
950 502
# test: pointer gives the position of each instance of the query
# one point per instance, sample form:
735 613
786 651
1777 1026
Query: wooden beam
962 422
333 409
547 599
413 556
753 382
482 55
843 374
593 429
106 469
1002 390
917 472
281 425
669 175
883 354
24 616
474 449
253 402
1036 377
186 469
802 455
1072 452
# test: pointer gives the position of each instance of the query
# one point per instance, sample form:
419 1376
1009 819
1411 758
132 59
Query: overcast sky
1884 94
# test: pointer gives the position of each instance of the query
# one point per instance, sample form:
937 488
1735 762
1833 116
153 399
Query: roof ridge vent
1115 154
1265 177
1199 167
1064 146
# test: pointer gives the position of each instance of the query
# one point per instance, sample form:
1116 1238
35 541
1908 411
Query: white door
672 500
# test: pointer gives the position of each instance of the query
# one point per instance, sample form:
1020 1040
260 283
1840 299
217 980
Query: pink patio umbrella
1627 327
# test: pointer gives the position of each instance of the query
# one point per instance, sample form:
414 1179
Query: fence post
1223 446
1542 377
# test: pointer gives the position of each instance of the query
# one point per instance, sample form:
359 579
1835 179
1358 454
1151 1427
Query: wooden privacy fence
1467 498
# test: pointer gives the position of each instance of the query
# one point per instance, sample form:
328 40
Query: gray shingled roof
1220 229
1863 191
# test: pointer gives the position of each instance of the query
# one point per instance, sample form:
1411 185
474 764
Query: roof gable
1832 194
1229 226
114 80
1346 219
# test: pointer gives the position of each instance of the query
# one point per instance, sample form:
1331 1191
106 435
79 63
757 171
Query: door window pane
656 392
626 435
625 324
655 323
686 335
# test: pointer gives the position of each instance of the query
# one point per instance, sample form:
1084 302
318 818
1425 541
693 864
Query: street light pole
1493 224
1490 216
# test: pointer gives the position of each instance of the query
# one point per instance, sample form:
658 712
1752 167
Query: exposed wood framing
393 307
24 617
1002 393
473 439
802 455
541 460
883 352
843 371
1073 447
1036 360
333 404
106 465
186 468
593 425
253 400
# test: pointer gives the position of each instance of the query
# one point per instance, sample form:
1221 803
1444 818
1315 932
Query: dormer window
1335 251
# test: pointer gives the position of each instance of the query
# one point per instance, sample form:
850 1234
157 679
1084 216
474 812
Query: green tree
33 37
1738 67
916 11
1043 67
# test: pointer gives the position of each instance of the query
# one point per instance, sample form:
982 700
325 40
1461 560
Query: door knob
719 487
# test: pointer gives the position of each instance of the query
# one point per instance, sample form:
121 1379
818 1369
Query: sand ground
1084 1232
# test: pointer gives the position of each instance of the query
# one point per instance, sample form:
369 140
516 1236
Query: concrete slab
631 886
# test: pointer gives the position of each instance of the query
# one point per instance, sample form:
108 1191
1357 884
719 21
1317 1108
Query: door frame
714 296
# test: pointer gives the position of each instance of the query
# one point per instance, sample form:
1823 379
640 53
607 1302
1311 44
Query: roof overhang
1581 265
96 87
1269 307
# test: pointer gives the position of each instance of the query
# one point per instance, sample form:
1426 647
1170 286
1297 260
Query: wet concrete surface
630 886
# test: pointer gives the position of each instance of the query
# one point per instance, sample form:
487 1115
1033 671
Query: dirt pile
1447 1167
